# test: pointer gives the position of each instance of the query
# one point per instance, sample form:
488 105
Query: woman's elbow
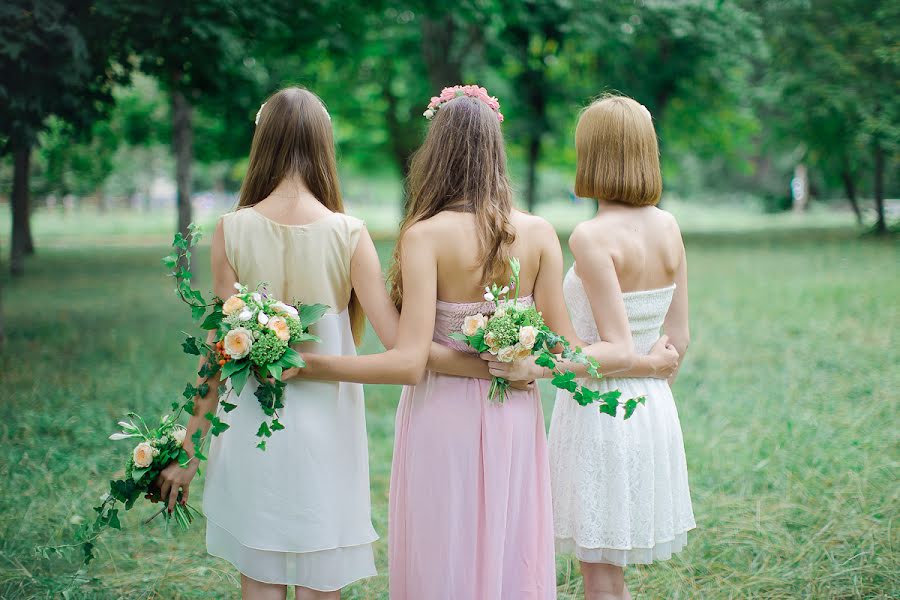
412 371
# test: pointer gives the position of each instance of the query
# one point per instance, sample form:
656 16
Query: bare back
644 243
460 276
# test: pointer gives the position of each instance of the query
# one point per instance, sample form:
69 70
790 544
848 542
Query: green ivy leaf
170 261
565 381
545 359
114 519
203 390
263 430
189 407
275 370
197 312
213 319
136 473
276 425
227 406
262 445
189 392
191 346
608 409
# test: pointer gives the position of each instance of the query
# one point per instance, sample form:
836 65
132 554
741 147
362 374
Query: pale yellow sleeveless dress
298 513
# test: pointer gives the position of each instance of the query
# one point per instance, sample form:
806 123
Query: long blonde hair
462 166
294 138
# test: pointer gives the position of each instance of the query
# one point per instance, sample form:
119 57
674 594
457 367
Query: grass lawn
788 402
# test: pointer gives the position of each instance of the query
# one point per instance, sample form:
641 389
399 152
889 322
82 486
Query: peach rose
473 323
528 336
491 342
143 455
280 327
232 306
521 352
238 342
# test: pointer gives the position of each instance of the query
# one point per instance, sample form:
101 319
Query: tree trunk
534 154
183 147
850 190
2 321
443 64
21 232
880 224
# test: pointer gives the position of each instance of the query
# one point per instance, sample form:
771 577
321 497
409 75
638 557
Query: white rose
262 317
473 323
143 455
245 315
528 336
280 327
281 307
238 342
507 354
233 306
179 434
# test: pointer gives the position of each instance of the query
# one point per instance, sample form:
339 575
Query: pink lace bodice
449 317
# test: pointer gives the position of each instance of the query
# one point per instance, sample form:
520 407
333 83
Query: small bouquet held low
515 331
253 333
156 448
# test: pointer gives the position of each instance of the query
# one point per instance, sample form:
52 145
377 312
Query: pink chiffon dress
470 509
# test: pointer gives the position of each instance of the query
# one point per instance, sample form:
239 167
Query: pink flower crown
472 91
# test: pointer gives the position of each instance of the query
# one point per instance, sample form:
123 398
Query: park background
779 127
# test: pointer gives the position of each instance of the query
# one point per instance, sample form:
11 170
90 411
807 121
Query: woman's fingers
173 497
487 356
185 489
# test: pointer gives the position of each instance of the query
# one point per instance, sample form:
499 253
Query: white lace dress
620 488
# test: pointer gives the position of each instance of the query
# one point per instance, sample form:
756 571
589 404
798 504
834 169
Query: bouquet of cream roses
156 448
253 333
515 331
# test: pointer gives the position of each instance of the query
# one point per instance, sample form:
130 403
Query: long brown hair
294 138
462 166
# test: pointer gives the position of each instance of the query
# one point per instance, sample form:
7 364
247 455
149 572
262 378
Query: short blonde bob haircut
618 156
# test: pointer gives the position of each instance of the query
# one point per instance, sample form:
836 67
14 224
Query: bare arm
368 281
406 361
175 477
676 322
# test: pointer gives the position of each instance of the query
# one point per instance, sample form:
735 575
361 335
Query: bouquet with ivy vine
156 448
252 335
515 331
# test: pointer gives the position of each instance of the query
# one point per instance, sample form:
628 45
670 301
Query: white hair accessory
259 112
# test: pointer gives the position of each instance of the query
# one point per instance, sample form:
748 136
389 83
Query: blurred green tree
836 68
56 59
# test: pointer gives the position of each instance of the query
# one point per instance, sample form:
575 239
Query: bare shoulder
429 232
593 234
532 226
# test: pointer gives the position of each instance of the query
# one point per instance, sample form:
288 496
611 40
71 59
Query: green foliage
815 485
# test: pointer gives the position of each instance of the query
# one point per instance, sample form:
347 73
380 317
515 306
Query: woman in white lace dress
620 488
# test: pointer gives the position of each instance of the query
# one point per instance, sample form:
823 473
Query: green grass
788 402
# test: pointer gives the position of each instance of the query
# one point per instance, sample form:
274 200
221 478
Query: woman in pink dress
470 510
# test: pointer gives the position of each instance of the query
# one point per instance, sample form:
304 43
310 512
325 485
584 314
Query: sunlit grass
788 402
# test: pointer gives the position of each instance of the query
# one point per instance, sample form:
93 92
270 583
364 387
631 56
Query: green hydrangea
505 332
295 327
530 316
267 349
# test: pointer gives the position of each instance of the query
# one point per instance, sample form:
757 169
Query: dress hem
246 545
569 545
342 586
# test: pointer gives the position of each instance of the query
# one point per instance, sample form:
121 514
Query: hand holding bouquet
515 331
252 334
156 448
